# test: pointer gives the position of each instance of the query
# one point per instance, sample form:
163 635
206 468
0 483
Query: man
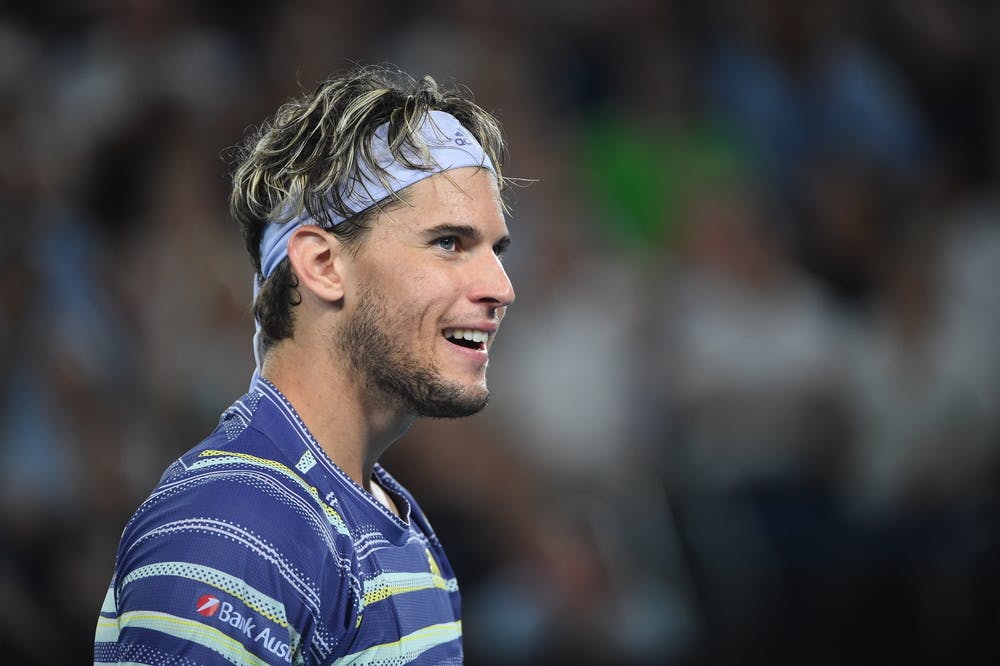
372 213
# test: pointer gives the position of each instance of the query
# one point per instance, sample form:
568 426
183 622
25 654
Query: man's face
426 294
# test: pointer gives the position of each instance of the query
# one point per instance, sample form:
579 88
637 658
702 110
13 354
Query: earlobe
314 254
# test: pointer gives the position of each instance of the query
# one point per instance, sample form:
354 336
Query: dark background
746 408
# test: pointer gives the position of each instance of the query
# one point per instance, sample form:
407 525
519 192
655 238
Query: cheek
415 296
427 288
417 300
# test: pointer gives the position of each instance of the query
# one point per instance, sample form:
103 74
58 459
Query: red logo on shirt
208 605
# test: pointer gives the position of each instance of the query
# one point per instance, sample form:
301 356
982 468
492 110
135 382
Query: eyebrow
465 231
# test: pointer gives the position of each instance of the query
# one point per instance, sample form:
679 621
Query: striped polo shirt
255 548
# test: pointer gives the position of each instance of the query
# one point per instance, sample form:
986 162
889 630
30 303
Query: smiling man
372 214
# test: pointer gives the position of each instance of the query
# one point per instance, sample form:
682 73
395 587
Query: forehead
468 196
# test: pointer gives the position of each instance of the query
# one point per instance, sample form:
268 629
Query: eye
500 248
447 243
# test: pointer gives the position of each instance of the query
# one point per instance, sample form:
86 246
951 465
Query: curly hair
296 163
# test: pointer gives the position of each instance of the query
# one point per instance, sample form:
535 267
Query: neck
352 422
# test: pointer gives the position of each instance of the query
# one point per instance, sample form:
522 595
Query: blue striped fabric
256 549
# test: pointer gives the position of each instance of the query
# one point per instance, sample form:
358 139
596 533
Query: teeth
466 334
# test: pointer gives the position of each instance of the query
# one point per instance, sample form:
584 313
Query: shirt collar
283 425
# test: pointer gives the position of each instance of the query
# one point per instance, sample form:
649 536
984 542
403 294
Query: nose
492 286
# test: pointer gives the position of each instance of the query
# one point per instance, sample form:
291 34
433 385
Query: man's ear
315 255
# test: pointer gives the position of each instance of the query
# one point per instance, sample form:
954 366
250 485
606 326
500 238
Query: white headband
448 146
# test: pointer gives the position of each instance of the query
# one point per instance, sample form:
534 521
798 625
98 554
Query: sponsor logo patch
247 625
207 605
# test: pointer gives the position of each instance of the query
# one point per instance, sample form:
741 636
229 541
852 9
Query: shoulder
233 537
239 501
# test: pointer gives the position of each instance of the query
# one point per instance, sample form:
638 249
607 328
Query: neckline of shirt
400 524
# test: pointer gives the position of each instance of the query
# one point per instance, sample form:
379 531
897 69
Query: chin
452 404
425 392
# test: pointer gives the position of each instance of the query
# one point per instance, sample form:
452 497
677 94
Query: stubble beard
389 370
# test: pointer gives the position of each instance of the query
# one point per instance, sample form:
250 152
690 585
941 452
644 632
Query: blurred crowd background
747 405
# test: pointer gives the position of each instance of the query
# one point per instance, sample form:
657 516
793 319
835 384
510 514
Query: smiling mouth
467 337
